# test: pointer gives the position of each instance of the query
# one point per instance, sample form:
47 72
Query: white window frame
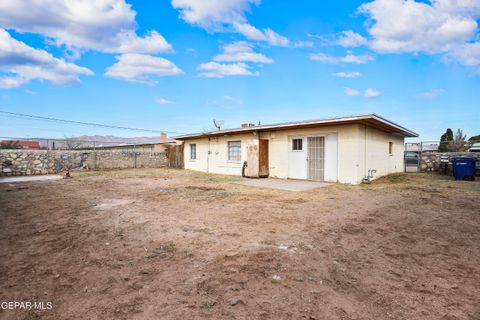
239 150
193 151
293 144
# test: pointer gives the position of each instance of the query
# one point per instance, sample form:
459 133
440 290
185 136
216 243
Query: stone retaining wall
430 161
33 162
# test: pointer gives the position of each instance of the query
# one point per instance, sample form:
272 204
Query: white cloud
371 93
438 27
220 105
275 39
11 82
348 58
130 42
228 102
303 44
106 25
23 64
351 39
315 35
346 39
324 58
267 35
213 14
136 67
431 93
226 15
351 92
162 101
250 31
220 70
353 74
241 51
191 51
468 54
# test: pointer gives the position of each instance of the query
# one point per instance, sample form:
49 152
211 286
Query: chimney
163 137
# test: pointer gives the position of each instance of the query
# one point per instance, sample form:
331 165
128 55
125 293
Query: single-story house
143 147
475 147
21 144
347 149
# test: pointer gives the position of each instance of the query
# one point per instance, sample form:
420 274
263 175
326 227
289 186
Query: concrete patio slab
284 184
30 178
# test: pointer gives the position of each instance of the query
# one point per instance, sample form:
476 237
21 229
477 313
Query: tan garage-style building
347 149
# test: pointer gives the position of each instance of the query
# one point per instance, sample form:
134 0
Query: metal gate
412 161
316 158
412 156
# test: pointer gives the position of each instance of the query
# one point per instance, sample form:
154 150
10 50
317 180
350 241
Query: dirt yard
165 244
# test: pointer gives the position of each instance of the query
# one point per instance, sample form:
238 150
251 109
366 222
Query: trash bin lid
465 158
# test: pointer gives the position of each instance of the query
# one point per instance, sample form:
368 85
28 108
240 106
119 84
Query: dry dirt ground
165 244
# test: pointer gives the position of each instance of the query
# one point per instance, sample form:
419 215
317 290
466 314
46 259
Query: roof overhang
370 120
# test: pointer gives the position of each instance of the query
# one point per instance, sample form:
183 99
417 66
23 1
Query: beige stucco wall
218 161
347 151
358 151
374 153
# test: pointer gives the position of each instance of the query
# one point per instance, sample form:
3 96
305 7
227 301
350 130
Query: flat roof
371 120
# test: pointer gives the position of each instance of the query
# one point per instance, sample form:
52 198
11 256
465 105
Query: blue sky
176 65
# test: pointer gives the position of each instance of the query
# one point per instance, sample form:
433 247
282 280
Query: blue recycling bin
464 168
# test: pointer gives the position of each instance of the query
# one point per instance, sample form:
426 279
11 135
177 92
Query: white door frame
297 159
324 151
330 171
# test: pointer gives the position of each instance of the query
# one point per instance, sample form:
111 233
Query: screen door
316 158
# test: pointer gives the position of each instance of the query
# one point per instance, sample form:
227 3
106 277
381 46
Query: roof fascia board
287 125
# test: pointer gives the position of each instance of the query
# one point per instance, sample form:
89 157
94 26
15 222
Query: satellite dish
218 123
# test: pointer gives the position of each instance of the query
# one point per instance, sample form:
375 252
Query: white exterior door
297 158
316 158
213 161
331 157
322 162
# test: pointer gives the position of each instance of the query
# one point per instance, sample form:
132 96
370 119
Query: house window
297 144
390 148
235 151
193 151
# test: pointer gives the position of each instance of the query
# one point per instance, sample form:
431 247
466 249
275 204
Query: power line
126 141
29 116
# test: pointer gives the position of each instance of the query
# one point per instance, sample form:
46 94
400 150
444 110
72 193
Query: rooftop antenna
218 123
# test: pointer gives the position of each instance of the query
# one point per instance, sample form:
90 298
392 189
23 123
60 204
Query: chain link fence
79 144
432 155
444 146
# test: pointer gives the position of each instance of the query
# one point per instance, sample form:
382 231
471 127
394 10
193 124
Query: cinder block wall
35 162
